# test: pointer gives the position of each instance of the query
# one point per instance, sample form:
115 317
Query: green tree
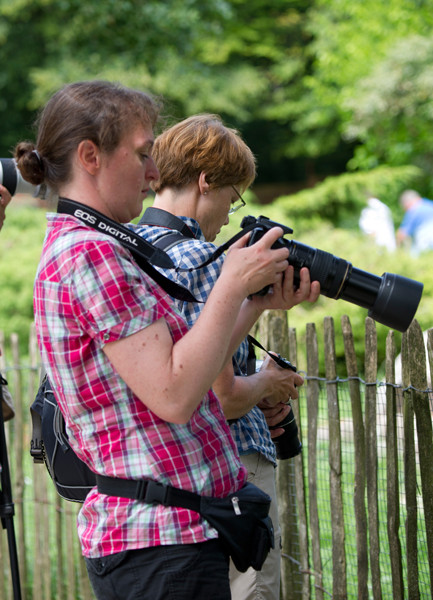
22 47
349 40
287 73
45 43
392 114
242 60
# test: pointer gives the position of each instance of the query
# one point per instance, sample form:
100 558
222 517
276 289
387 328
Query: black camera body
287 444
390 299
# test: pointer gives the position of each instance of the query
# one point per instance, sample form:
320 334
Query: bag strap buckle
36 444
152 492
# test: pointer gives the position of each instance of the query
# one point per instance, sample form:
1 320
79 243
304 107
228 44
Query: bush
21 242
339 200
353 246
20 248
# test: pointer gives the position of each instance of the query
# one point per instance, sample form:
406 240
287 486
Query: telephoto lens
12 179
390 299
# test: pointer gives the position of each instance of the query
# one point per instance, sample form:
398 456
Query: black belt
149 491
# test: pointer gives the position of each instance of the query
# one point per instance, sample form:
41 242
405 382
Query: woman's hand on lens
285 295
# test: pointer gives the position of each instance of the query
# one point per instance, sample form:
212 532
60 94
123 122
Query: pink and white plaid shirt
89 291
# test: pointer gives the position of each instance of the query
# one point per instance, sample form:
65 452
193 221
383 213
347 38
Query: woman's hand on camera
285 295
5 198
251 268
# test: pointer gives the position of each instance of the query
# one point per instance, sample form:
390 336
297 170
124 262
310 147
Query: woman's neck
181 203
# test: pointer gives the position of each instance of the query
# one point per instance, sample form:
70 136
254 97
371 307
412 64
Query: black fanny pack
241 519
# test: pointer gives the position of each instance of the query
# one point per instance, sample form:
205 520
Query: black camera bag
71 476
242 519
244 525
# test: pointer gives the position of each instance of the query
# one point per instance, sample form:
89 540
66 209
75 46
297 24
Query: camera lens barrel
324 267
397 301
390 299
287 444
8 174
12 179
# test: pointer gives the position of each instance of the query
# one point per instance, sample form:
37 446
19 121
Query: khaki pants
264 584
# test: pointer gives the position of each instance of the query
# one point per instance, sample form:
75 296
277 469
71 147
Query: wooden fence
356 506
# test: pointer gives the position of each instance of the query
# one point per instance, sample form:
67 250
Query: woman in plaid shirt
131 381
204 167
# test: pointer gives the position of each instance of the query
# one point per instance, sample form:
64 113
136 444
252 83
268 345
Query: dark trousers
179 572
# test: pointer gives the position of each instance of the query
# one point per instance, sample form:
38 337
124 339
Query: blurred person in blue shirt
417 224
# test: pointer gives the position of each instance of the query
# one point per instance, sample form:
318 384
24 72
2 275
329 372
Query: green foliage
339 200
348 40
21 242
20 247
305 81
393 109
242 60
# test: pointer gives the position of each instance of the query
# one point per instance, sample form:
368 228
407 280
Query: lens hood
397 301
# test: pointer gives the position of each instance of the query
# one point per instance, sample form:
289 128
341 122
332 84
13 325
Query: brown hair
100 111
202 143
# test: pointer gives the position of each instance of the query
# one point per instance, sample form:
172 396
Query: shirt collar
194 226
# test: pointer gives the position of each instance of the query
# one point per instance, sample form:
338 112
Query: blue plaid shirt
250 432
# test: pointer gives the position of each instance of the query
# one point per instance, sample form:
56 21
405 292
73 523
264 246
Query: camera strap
161 218
276 357
143 252
158 217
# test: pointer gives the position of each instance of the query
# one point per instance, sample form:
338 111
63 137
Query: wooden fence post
430 352
313 393
371 453
421 406
359 444
392 487
299 462
410 478
274 335
339 580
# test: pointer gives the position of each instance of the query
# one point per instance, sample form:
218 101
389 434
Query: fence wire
24 373
348 481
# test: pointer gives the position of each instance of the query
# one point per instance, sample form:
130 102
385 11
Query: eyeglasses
239 205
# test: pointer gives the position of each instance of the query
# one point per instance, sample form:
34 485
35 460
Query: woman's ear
89 156
203 184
